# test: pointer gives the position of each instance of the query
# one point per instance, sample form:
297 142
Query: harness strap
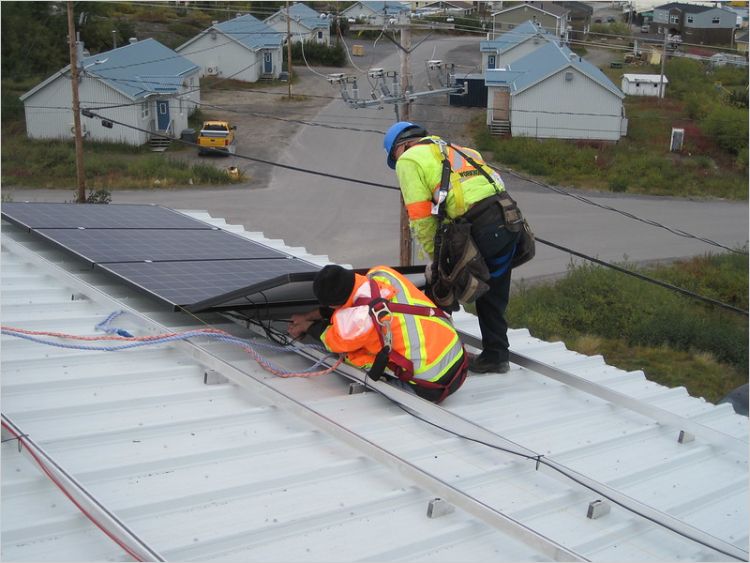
402 367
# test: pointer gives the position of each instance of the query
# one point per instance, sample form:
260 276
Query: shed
143 84
243 48
554 93
643 84
305 24
515 44
476 92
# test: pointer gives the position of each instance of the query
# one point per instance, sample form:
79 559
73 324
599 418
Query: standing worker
383 323
476 194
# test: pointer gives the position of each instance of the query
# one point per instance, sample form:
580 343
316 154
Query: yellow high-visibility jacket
419 171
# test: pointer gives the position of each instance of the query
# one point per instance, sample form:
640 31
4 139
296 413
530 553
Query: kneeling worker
383 323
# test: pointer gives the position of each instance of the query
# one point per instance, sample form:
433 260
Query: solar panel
181 261
185 284
33 215
99 246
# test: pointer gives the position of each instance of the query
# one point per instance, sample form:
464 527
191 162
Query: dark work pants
496 245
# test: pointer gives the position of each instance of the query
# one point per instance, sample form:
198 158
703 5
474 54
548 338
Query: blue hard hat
399 132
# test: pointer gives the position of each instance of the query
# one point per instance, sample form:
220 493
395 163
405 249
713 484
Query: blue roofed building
243 48
514 44
305 24
144 85
554 93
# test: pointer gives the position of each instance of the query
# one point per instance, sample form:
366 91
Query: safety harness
380 310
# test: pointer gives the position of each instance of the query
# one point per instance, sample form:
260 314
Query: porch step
501 128
159 144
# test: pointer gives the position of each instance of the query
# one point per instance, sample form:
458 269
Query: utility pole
289 50
663 61
72 43
405 244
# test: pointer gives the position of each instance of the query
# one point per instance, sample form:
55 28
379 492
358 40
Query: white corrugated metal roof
261 468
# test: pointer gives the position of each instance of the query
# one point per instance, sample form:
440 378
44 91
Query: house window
144 110
690 19
491 61
320 36
674 19
715 19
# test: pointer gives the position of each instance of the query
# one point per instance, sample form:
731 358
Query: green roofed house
554 93
305 24
243 48
145 86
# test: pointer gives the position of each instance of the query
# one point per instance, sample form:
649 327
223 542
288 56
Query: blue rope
106 327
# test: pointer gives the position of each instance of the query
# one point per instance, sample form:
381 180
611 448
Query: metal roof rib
203 455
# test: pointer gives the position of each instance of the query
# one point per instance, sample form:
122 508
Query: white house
144 85
375 13
554 93
243 48
643 84
514 44
305 24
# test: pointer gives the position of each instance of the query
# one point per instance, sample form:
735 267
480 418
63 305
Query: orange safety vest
422 335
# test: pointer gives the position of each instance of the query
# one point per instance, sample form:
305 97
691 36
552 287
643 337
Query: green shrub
729 128
317 53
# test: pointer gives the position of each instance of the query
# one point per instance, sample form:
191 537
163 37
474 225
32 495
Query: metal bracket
438 507
597 509
356 388
213 377
685 437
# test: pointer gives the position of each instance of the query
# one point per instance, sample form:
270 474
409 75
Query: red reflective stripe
419 210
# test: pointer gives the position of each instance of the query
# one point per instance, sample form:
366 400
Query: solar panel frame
230 277
41 215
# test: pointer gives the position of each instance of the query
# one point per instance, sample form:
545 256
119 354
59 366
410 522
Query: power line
386 186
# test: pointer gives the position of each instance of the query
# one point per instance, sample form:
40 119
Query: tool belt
502 209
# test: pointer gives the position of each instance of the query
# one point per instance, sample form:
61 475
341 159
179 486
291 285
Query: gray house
552 17
514 44
375 12
305 24
143 84
243 48
554 93
695 23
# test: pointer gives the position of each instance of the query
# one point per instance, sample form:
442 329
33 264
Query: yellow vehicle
217 136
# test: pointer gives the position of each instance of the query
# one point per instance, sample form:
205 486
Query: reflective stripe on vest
461 171
412 336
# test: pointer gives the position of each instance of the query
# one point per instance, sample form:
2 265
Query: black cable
646 278
378 185
677 232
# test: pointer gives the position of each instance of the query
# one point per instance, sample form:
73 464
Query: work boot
479 364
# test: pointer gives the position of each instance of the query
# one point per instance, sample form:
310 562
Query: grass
109 166
675 340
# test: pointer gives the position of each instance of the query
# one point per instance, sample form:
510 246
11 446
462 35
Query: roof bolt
356 388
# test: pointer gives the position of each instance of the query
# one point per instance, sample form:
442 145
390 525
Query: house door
501 105
491 61
267 62
162 114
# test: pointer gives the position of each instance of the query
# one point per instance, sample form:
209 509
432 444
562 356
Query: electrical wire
386 186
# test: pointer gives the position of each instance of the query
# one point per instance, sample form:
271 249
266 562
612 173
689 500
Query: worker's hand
298 326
